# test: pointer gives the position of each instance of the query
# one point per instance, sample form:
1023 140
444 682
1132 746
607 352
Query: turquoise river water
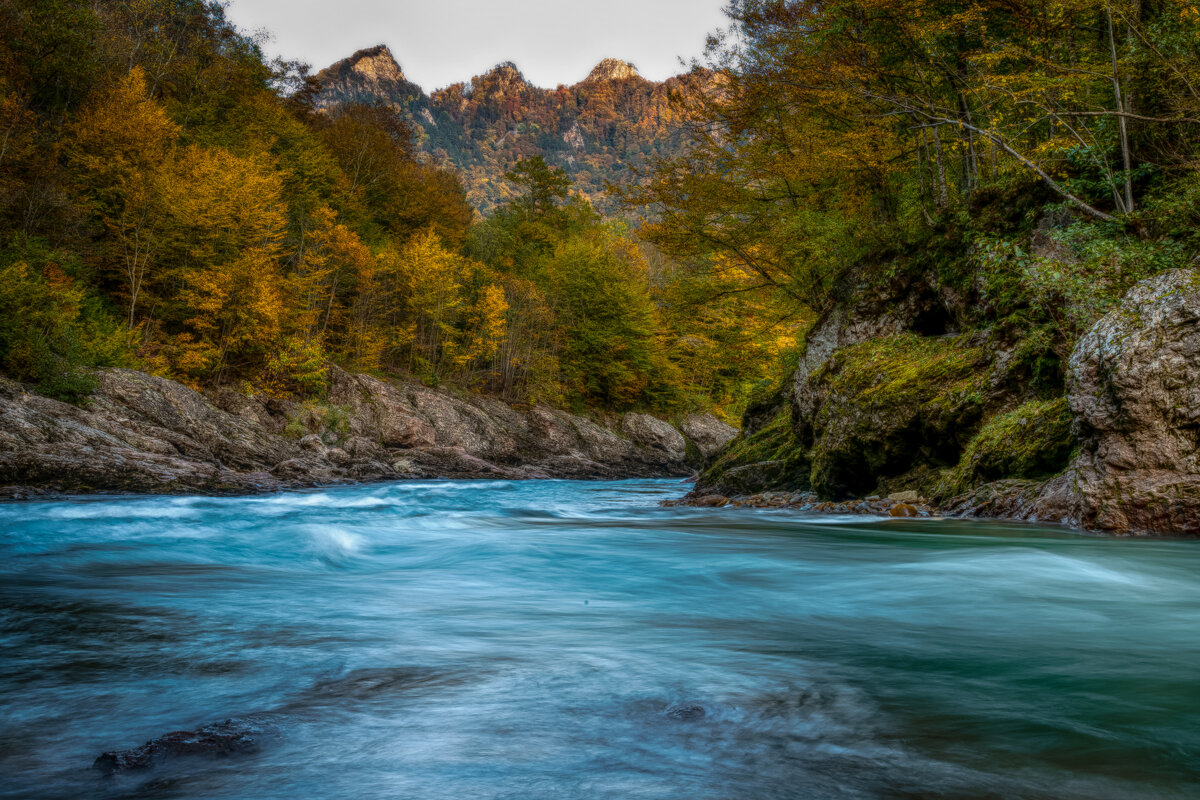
552 639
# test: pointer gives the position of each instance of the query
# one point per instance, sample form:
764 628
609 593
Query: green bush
51 331
1083 271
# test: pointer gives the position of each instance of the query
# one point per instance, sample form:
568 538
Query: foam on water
451 639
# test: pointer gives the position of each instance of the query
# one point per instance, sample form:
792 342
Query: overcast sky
440 42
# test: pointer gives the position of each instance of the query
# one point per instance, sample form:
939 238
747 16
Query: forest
869 137
173 201
959 193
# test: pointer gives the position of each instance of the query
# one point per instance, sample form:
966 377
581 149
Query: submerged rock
686 712
214 741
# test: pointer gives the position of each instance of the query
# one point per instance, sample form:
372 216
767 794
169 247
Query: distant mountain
595 130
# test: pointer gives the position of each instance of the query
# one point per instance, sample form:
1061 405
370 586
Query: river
574 640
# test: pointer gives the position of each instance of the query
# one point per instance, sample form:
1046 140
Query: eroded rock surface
1134 387
143 434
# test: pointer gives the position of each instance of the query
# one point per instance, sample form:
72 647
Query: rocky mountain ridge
595 129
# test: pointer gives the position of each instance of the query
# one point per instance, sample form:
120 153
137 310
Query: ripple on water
550 639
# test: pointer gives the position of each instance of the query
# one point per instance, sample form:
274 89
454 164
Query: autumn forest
174 201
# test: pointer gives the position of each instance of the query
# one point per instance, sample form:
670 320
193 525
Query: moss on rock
880 408
769 458
1032 441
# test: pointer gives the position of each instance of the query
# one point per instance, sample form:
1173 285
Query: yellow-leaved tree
119 147
431 275
224 239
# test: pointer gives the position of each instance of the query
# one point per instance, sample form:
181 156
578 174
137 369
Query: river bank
901 391
143 434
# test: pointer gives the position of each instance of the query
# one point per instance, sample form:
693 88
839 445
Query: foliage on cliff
1020 166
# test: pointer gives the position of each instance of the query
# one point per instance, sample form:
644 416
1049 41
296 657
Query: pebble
911 506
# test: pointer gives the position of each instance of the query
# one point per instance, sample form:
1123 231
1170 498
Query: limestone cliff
891 398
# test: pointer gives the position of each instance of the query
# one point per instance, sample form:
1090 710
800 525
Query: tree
224 245
119 146
543 186
600 292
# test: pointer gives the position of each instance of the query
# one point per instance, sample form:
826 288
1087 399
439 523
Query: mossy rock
1032 441
767 459
881 408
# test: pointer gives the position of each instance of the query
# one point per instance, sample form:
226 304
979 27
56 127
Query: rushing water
558 640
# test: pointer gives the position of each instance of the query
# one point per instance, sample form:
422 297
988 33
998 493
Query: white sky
440 42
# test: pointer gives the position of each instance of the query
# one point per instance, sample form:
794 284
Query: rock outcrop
366 76
1134 389
483 126
888 398
612 69
143 434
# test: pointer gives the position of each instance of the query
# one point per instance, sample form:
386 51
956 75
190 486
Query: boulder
655 434
1134 390
709 434
1134 387
885 407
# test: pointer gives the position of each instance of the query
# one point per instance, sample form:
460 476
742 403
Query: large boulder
1134 386
906 303
885 407
709 434
653 433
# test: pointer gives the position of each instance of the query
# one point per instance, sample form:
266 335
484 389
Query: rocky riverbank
895 394
143 434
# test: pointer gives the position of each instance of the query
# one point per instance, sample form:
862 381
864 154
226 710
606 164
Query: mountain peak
374 65
507 72
612 69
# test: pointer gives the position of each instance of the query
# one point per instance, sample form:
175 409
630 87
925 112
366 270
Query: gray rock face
139 434
1134 386
143 434
653 433
709 434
